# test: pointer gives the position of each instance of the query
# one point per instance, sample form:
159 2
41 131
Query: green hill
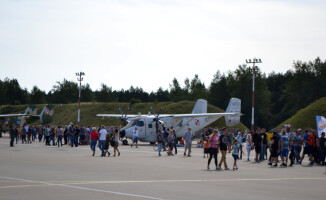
306 117
64 114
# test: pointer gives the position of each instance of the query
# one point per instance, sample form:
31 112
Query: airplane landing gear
125 142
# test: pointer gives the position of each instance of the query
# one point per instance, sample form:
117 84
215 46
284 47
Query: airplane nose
122 133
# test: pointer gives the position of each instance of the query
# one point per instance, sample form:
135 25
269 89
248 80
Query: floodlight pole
254 68
80 79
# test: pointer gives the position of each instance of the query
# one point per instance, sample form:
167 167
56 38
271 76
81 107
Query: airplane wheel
125 142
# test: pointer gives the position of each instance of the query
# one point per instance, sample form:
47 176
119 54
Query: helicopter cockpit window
140 123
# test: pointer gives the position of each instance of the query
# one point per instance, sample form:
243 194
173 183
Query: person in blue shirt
235 153
285 142
297 145
239 138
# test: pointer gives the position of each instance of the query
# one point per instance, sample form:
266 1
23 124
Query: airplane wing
134 117
200 115
14 115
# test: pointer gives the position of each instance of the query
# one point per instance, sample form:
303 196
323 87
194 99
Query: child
206 147
235 153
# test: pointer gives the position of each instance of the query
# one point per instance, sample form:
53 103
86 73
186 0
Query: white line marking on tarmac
83 188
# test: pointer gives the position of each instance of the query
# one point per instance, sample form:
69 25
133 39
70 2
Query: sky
147 43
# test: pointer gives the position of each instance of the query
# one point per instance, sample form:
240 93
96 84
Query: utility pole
80 79
254 68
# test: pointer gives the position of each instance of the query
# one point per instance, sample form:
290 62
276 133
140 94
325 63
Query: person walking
76 136
264 141
47 136
102 136
59 135
297 145
116 141
82 135
135 137
248 145
223 142
17 133
275 148
175 141
52 136
322 145
235 153
285 142
188 141
213 149
107 144
308 139
257 140
12 135
171 140
23 133
93 137
160 140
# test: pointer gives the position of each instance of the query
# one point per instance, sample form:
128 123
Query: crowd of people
291 146
286 144
68 135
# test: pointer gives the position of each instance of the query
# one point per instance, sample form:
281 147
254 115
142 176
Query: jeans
93 144
297 151
101 145
160 146
262 152
12 138
60 139
23 138
33 137
175 148
47 140
75 140
322 156
17 138
40 136
52 139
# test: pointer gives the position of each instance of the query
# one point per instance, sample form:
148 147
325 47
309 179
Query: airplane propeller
124 118
156 119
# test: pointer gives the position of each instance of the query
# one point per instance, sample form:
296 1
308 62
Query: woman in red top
94 138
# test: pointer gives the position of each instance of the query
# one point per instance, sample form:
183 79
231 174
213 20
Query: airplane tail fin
47 111
234 106
200 106
31 110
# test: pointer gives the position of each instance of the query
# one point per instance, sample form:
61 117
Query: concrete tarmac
39 172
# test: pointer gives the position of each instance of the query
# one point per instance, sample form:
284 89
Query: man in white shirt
135 137
102 136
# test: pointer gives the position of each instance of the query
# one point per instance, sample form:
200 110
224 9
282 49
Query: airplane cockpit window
134 123
150 125
140 123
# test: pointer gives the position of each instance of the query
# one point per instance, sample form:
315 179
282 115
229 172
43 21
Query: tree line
278 95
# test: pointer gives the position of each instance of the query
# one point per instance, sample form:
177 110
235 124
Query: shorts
116 144
236 157
307 150
135 140
274 153
170 145
257 148
284 152
187 146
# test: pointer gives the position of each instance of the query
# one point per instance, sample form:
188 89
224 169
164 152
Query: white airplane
148 125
